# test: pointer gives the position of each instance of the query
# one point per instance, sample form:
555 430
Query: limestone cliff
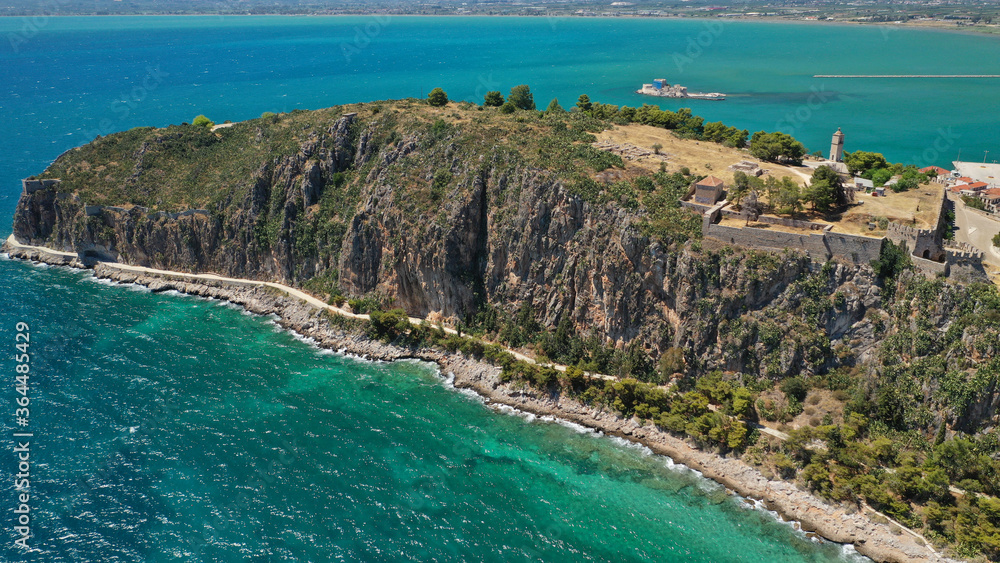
434 222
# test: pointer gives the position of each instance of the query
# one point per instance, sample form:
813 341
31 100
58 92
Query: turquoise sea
168 428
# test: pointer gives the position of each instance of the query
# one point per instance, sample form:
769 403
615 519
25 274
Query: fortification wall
965 263
928 254
695 206
922 243
854 248
812 244
930 267
32 186
783 221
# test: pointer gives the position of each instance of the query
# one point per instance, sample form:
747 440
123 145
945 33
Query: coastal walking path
12 242
299 294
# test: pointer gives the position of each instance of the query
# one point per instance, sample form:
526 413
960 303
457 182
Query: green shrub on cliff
437 98
202 121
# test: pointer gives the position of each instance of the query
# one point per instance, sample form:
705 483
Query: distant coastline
978 30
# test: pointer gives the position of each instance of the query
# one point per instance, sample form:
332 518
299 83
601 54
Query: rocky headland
516 228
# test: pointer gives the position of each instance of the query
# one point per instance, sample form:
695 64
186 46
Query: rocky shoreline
877 541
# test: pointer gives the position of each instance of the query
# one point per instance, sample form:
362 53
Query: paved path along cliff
300 312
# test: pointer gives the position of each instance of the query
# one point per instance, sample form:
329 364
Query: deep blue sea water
169 428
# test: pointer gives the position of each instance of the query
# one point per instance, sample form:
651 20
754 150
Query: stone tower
837 146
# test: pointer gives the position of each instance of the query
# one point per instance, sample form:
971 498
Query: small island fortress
661 88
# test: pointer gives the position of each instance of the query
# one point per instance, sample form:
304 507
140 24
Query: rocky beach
879 541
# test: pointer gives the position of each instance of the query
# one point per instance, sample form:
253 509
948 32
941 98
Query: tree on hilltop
784 195
860 162
202 121
554 107
521 97
743 185
437 98
584 103
493 99
826 189
776 147
752 206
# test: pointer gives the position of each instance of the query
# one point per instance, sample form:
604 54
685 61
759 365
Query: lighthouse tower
837 146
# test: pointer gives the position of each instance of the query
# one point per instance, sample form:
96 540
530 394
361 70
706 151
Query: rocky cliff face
351 205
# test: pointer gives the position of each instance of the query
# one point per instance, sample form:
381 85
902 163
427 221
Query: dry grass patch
701 157
818 404
917 208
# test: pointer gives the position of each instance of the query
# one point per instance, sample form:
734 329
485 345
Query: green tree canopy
493 99
784 195
508 107
820 194
521 97
554 107
717 132
202 121
879 176
437 98
837 192
776 147
584 103
860 162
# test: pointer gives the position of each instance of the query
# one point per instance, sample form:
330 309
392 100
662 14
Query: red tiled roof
992 193
710 182
977 186
959 187
937 169
965 179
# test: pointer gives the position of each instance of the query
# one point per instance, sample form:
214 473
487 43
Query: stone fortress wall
820 243
927 248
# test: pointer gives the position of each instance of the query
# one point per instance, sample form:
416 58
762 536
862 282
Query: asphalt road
977 230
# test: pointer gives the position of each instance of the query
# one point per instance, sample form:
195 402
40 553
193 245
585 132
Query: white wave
509 410
578 428
847 551
101 281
